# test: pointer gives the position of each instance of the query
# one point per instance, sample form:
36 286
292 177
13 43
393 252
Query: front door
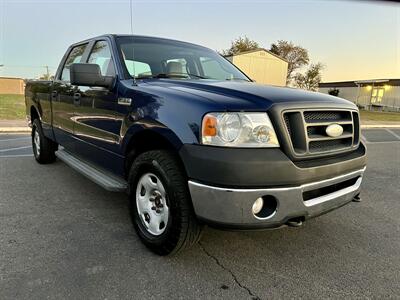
377 95
97 120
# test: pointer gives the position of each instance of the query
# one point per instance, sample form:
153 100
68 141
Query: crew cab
192 140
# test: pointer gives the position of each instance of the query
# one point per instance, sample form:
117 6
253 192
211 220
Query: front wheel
160 203
43 148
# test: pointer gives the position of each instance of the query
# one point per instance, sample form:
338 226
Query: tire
43 148
176 227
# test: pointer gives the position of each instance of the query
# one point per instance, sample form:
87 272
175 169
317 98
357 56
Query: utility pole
47 72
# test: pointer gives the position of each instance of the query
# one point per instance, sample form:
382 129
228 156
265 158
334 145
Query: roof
356 83
134 36
5 77
257 50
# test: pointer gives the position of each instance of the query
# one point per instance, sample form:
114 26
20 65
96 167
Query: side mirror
89 75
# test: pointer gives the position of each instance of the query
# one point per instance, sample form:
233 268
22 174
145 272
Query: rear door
97 120
62 98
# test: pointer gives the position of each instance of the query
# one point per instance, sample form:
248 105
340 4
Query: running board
103 178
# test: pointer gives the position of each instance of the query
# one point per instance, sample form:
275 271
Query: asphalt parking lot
62 236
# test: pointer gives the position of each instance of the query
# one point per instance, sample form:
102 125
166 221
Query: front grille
307 131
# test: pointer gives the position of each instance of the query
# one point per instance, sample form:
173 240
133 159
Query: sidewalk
14 126
378 124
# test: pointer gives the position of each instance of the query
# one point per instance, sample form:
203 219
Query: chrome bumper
233 207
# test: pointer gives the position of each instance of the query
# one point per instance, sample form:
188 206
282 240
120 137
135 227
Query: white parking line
392 132
13 156
16 139
18 148
387 142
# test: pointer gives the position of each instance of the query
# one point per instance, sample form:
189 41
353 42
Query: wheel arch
150 139
35 113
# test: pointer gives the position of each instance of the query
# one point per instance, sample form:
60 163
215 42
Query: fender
144 126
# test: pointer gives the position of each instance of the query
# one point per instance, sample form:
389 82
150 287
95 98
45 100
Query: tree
334 92
241 44
46 76
295 55
310 79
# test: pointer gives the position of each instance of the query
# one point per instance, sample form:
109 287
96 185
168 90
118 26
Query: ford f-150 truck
193 140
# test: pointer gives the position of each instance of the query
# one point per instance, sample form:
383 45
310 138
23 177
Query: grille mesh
330 145
326 116
287 123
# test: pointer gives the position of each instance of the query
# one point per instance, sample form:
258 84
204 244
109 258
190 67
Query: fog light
258 205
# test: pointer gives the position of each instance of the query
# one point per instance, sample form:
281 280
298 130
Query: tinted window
101 55
74 57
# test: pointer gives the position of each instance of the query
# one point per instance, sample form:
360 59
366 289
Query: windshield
146 57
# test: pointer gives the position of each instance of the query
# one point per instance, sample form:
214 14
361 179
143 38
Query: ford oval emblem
334 130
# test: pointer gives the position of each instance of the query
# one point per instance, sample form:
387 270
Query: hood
237 95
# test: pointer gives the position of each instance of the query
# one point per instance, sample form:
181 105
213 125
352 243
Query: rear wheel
43 148
160 203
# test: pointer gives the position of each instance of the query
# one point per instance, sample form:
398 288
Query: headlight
250 130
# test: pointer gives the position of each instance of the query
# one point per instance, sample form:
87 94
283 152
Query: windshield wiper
241 79
170 75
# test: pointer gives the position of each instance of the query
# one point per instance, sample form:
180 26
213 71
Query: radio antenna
133 47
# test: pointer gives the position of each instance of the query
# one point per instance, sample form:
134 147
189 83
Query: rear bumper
232 208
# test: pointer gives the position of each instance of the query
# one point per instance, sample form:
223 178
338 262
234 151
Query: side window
74 57
101 55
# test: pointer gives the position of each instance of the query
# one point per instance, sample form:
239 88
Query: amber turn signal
209 126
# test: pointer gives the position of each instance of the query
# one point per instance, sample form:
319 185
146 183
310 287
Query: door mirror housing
89 75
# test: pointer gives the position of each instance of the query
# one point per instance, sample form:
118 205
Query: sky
353 39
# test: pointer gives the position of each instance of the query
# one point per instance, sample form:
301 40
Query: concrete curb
14 129
366 126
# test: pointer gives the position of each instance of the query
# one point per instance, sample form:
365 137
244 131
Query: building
262 66
10 85
378 94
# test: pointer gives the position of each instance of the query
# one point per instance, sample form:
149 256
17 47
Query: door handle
77 98
54 94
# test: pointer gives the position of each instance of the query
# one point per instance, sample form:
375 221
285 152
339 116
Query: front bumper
232 208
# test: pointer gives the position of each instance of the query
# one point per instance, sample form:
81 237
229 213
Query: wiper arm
170 75
242 79
194 75
159 75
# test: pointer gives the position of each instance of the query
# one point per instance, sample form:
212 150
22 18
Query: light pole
47 72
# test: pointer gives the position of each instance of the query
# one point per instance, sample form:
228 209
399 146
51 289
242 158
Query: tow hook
357 198
295 222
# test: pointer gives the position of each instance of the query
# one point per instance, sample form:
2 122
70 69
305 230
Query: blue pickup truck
193 140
